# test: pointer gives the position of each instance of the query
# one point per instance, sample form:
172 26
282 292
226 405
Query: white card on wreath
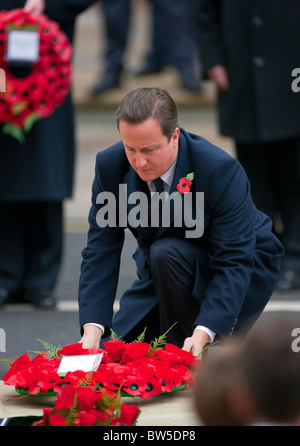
86 363
23 46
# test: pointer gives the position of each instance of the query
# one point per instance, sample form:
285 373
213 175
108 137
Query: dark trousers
173 266
273 171
31 237
117 20
172 22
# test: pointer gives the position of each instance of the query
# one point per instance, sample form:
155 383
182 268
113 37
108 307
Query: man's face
149 152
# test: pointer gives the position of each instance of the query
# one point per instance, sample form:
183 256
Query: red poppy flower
129 415
90 418
33 388
56 420
112 381
73 377
166 378
185 357
114 349
86 398
48 381
135 351
153 387
184 185
22 363
135 385
77 349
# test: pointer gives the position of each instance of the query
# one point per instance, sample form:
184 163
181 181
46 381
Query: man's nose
140 160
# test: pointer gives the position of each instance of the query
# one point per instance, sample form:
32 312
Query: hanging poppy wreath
35 96
133 369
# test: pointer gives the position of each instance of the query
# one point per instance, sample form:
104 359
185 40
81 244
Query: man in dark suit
209 274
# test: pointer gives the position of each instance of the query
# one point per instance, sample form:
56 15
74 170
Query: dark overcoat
241 254
259 44
41 169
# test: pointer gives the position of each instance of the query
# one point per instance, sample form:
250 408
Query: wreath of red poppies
134 369
31 98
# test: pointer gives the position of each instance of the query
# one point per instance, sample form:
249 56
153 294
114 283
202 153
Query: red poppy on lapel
184 185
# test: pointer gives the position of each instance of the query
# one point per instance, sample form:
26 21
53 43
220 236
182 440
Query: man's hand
196 342
218 74
91 337
35 6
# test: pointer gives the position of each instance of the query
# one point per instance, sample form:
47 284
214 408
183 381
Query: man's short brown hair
144 103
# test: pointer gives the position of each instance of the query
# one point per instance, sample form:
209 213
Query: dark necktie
156 206
159 185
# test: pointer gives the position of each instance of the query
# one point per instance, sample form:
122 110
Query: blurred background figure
173 43
270 364
249 50
220 390
35 178
254 381
116 15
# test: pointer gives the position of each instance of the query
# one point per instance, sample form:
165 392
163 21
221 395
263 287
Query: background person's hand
35 6
219 75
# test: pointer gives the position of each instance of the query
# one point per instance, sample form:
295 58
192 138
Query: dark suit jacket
237 241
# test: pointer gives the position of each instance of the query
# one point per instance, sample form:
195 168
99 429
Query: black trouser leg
173 264
31 237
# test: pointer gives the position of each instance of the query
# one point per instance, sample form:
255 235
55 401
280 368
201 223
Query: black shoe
14 296
42 298
17 297
289 280
190 81
109 80
4 296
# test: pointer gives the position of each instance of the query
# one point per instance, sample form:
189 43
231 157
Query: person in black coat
35 178
249 50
